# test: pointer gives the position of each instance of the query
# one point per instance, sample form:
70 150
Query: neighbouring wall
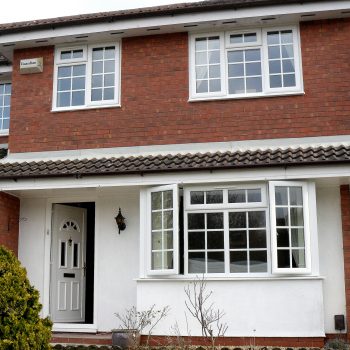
9 221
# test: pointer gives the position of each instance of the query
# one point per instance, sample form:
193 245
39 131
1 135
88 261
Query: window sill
83 108
4 133
222 279
216 98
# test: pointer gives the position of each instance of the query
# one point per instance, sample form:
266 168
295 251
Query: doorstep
62 338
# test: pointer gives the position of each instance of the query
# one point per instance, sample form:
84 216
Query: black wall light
120 220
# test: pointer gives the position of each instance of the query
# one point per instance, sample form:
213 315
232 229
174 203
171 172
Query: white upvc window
86 76
5 106
163 230
246 63
290 231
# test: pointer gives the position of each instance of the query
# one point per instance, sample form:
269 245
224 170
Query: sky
23 10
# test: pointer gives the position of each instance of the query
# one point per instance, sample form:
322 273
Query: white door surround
68 264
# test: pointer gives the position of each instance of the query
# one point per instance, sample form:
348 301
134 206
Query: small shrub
337 344
21 328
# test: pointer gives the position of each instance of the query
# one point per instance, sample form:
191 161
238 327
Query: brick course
9 221
155 107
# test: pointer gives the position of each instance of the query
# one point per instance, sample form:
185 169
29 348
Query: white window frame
226 46
87 60
5 132
175 270
227 208
307 234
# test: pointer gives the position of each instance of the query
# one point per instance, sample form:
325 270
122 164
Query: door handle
84 268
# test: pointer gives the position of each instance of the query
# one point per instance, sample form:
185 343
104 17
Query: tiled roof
174 9
179 162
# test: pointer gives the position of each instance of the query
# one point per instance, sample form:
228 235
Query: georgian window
246 63
86 76
5 106
247 230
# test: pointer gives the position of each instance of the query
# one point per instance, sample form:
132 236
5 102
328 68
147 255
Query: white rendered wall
331 254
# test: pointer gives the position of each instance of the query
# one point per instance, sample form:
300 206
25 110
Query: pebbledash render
220 130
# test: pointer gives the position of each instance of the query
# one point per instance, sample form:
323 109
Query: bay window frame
87 60
5 132
261 43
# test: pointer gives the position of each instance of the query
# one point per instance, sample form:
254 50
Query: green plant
21 327
337 344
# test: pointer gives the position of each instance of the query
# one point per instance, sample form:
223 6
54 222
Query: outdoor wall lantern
120 220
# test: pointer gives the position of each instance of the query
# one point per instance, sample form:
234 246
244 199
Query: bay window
86 76
246 63
5 106
254 230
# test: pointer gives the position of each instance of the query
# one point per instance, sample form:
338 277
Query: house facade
220 130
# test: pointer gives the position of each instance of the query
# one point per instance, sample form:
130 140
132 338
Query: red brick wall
155 107
345 214
9 221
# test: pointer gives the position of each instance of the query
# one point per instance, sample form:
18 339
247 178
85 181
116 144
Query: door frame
67 327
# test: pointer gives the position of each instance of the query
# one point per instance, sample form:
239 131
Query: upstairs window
86 77
250 63
5 106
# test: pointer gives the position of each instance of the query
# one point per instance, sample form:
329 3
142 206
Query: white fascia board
170 21
340 171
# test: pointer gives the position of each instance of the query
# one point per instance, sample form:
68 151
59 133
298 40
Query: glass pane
201 44
214 85
253 68
258 261
238 220
257 239
66 55
275 81
157 261
254 195
216 262
283 258
6 112
6 124
79 70
157 220
289 80
281 195
108 94
288 66
168 199
77 53
275 67
7 100
202 72
236 70
96 95
287 51
8 88
202 86
298 239
63 254
282 217
63 99
195 221
214 71
97 54
109 52
296 217
298 258
214 57
64 84
274 52
236 196
157 241
236 39
197 197
75 254
296 195
273 38
64 72
214 43
256 219
196 262
254 85
236 86
201 58
238 262
156 200
215 240
97 80
196 240
282 238
250 38
286 36
168 219
109 66
97 67
78 98
109 80
238 239
78 84
215 221
169 260
213 197
168 239
235 56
